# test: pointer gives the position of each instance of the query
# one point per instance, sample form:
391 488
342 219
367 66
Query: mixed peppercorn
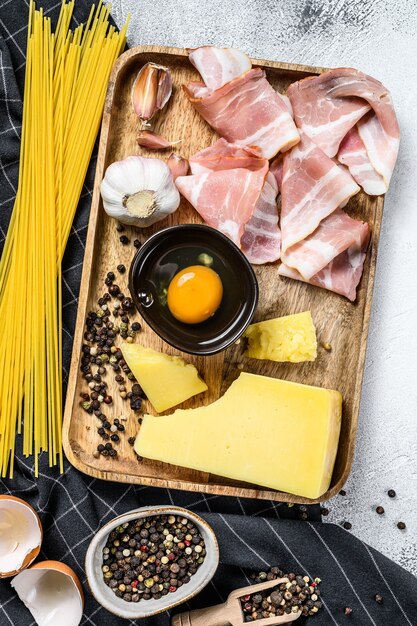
299 594
151 557
100 353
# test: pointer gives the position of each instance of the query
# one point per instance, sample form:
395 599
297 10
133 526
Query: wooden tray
340 323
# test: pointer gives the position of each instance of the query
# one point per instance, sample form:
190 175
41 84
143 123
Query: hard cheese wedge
263 430
166 380
291 338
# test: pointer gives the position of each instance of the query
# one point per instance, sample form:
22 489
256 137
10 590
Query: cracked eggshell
52 592
20 535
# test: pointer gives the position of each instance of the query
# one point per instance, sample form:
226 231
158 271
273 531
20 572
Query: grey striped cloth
252 535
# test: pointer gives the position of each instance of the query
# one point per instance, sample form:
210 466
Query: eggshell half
52 593
20 535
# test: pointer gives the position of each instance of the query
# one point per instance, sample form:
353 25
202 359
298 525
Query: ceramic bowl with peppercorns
149 560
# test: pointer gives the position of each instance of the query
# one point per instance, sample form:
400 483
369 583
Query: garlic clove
151 90
139 191
178 165
153 141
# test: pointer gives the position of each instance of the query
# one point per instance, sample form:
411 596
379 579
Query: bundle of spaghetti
67 72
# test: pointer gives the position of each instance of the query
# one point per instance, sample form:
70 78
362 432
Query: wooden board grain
342 324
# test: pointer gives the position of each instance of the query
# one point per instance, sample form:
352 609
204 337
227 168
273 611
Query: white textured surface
378 37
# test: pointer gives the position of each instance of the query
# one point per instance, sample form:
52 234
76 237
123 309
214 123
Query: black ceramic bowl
171 250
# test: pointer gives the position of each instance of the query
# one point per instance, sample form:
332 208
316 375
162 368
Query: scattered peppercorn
137 243
401 525
324 511
391 493
347 525
342 492
348 610
124 239
380 510
378 598
120 228
131 441
121 269
114 289
136 326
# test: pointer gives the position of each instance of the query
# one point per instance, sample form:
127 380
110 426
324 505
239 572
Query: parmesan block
267 431
291 338
166 380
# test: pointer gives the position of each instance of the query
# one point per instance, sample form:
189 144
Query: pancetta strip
277 169
223 156
218 66
223 188
381 148
335 234
261 241
247 111
353 154
326 107
313 186
342 275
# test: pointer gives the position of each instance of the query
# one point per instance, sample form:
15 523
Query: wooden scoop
230 613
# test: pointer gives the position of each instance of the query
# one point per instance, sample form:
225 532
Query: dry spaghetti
65 85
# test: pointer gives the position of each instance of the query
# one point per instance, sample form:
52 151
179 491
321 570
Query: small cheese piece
166 380
263 430
286 339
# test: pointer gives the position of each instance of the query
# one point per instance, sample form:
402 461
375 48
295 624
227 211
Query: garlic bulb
139 191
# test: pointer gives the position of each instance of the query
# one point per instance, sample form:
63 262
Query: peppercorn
110 275
347 525
342 492
391 493
378 598
137 243
136 326
114 289
127 304
115 437
324 511
131 441
121 269
401 525
124 240
380 510
348 610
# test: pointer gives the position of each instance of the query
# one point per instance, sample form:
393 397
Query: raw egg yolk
195 294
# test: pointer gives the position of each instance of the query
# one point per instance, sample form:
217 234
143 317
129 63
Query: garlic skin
139 191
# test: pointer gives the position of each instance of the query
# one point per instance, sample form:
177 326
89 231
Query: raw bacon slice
247 111
342 275
335 234
353 154
223 156
218 66
381 147
261 241
313 186
225 199
276 168
326 107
